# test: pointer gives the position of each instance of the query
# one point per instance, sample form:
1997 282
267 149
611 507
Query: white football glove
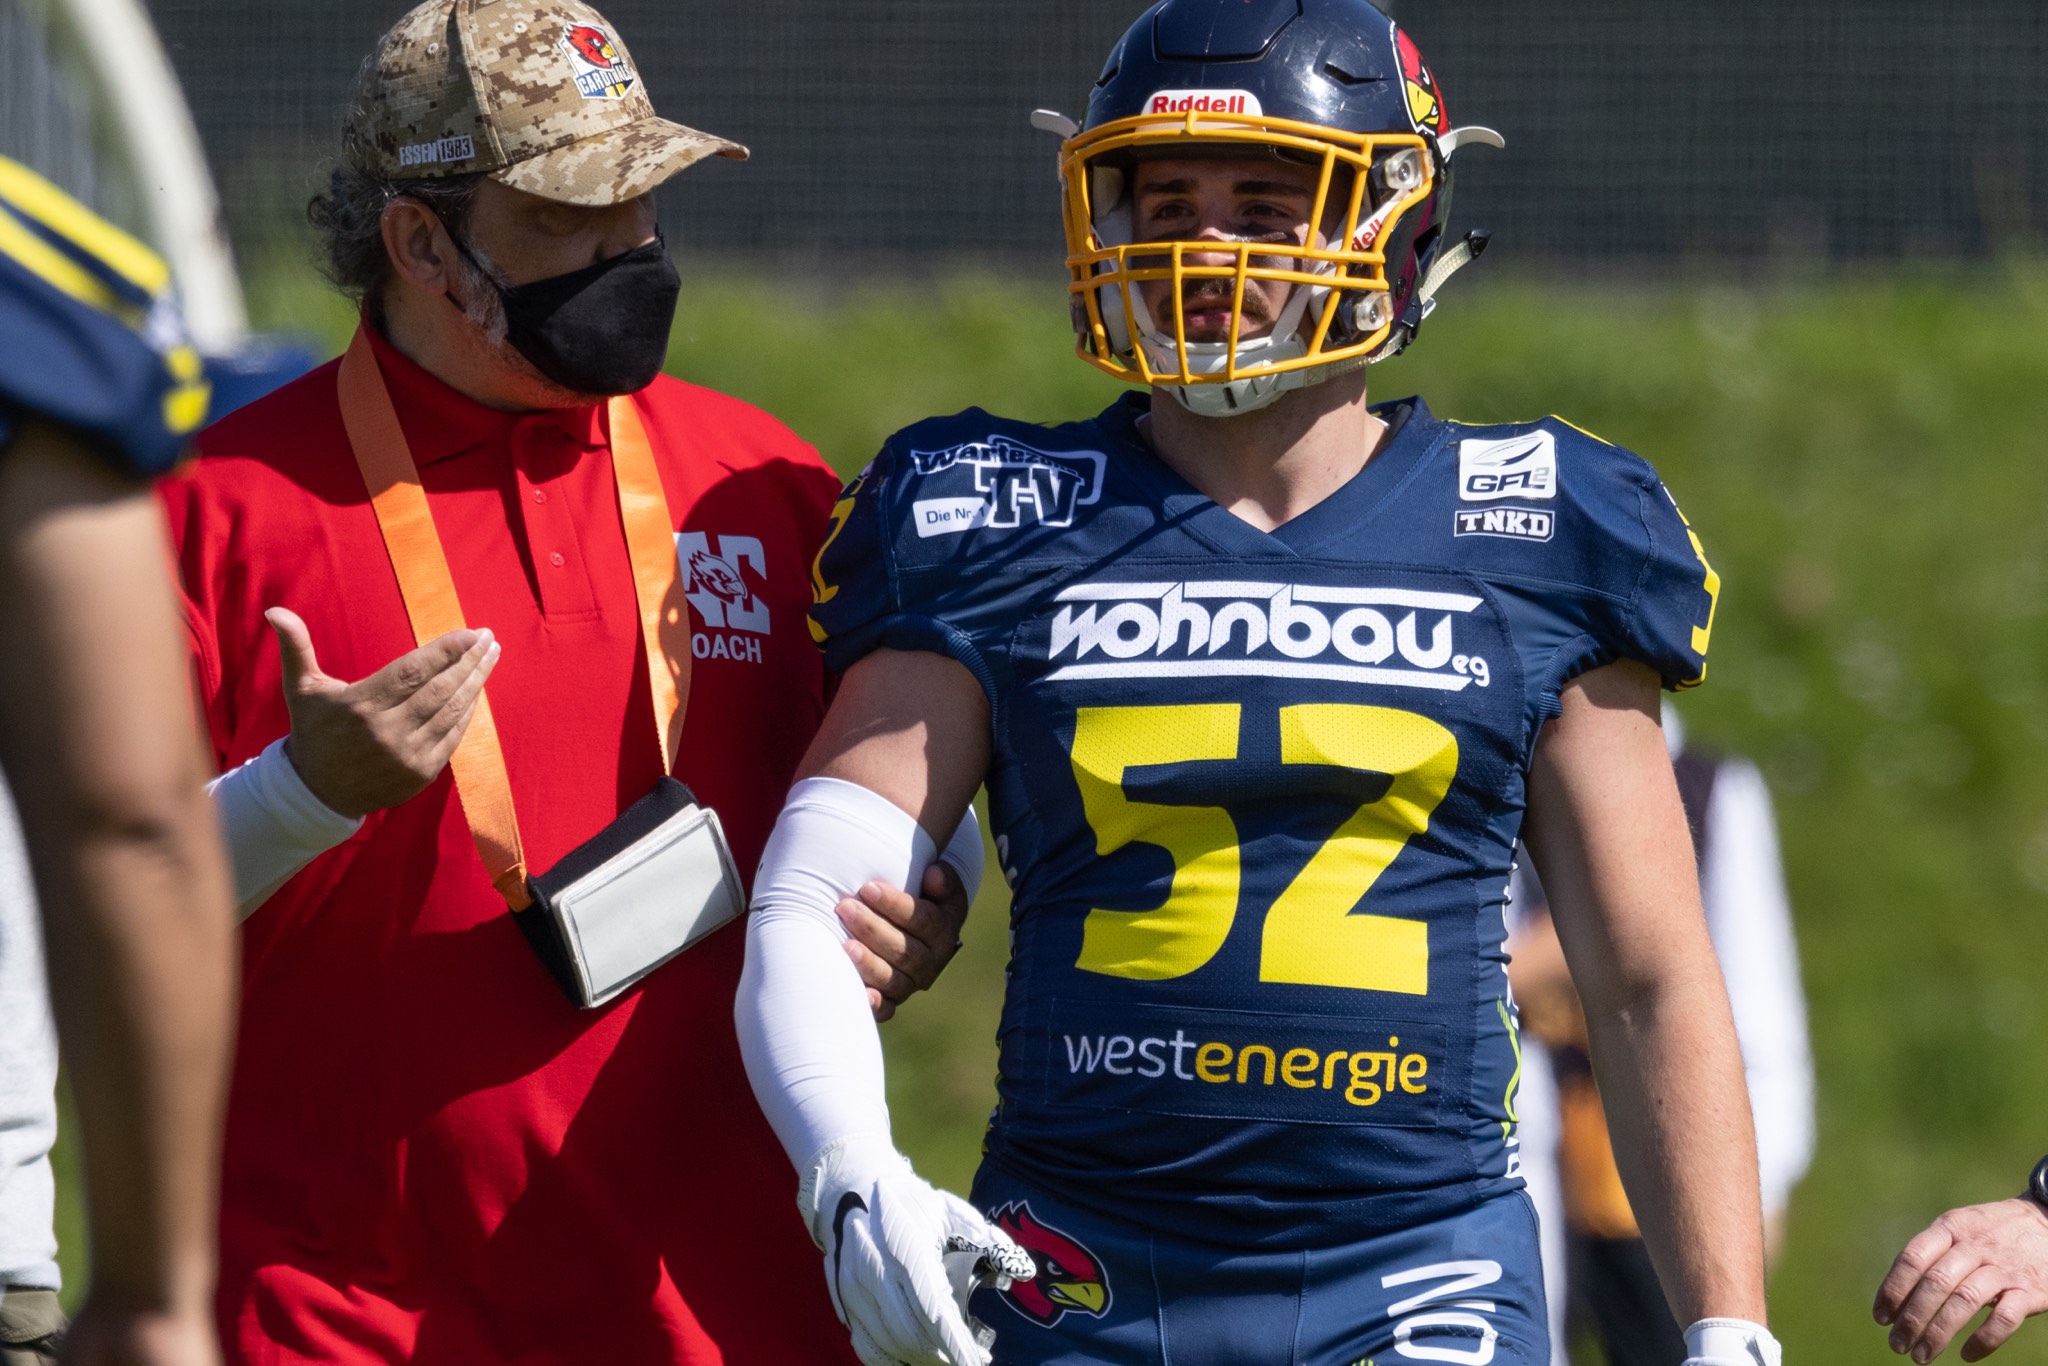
1730 1342
901 1257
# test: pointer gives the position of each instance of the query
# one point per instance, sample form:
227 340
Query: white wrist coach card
633 896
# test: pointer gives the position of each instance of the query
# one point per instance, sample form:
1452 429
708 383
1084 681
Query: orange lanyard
428 588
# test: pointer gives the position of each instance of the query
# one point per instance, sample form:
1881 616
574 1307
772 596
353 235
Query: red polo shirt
432 1156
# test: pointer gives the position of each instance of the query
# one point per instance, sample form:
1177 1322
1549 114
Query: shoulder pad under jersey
1647 590
947 493
90 336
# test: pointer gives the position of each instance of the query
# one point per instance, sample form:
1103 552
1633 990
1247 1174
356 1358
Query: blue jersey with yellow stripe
1257 793
90 335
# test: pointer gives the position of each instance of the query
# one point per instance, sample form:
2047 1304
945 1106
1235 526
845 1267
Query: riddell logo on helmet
1205 102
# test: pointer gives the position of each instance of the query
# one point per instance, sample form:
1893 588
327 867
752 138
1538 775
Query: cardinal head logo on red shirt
1070 1280
710 574
1425 96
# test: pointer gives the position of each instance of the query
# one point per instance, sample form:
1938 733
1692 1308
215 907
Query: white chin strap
1239 395
1282 344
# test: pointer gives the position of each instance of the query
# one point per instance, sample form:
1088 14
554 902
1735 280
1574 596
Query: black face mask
600 330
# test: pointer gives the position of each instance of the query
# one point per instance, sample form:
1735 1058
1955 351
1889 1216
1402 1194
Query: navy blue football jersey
90 335
1257 793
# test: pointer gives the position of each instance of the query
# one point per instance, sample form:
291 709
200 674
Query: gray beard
485 311
481 306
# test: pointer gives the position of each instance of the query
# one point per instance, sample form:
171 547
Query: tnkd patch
1520 524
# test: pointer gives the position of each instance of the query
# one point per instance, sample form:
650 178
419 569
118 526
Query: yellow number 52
1310 935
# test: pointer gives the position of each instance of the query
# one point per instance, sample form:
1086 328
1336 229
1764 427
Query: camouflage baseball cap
540 95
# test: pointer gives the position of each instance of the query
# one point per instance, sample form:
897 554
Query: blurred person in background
1992 1255
448 1140
1613 1291
99 390
31 1319
1263 681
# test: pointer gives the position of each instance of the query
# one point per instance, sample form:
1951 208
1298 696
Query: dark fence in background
1838 130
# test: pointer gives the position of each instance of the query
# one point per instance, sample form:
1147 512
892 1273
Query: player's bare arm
129 873
912 727
1609 837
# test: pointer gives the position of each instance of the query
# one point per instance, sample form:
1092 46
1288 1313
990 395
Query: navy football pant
1465 1290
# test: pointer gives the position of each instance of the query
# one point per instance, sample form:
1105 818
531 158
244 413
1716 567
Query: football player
1264 683
100 390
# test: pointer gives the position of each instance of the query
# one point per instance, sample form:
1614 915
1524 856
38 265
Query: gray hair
348 217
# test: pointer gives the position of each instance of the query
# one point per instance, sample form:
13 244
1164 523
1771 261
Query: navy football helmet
1334 85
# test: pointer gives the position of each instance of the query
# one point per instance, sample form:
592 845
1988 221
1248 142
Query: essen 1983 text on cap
540 95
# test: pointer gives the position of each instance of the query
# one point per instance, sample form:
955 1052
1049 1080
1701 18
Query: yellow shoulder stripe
29 194
60 271
1702 635
1580 430
822 592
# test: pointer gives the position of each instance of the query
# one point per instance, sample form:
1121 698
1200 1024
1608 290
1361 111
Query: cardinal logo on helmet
1425 97
1070 1280
601 73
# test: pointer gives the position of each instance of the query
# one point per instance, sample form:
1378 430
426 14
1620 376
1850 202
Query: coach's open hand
1995 1254
901 944
363 746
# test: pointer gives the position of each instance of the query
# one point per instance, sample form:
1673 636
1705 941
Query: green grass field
1866 462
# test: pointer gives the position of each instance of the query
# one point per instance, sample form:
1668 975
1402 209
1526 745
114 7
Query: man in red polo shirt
433 1156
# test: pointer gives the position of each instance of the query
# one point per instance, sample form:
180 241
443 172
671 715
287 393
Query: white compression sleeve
810 1044
273 825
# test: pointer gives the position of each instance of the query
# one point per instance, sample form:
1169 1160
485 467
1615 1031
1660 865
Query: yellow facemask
1340 306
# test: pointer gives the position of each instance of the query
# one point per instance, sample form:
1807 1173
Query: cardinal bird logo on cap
601 73
1069 1280
1425 97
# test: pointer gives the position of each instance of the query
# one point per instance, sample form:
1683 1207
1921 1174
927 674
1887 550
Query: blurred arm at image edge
98 392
